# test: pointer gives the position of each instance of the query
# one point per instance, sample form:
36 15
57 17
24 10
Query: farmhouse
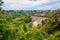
37 20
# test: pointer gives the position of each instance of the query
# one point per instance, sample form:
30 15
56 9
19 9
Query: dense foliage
20 28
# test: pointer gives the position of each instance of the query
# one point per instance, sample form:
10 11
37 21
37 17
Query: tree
52 22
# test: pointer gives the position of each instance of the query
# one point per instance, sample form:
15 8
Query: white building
37 20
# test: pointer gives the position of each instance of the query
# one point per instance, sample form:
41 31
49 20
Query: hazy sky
31 4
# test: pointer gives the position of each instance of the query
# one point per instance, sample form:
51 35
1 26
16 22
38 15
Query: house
37 20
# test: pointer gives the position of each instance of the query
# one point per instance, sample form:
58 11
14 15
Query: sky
31 4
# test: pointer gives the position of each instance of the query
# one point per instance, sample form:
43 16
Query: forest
16 26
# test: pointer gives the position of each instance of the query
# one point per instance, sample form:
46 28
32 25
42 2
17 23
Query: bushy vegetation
20 28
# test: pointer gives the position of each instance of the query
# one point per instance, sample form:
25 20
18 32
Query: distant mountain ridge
38 11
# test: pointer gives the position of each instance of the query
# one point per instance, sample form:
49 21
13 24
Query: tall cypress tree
1 3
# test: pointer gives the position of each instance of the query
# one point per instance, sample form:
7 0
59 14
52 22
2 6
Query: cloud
24 4
49 6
